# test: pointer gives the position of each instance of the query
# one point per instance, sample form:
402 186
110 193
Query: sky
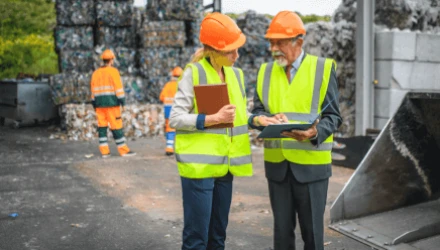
305 7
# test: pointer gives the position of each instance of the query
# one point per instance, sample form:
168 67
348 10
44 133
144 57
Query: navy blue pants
206 204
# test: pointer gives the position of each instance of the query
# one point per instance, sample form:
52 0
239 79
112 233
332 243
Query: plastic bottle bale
74 38
114 13
159 61
186 55
76 60
153 88
193 33
163 34
254 26
125 62
133 88
75 12
345 11
116 36
62 86
319 39
159 10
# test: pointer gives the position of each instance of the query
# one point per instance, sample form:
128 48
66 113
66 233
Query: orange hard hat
107 55
177 71
286 24
221 32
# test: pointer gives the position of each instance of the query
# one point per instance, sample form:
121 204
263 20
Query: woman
208 158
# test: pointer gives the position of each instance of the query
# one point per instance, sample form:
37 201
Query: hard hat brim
278 36
235 45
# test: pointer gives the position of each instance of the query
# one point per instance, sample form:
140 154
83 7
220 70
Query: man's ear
300 42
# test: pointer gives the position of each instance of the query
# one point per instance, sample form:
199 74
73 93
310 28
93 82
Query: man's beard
280 58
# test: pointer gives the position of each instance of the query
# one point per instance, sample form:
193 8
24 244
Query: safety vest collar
203 79
319 74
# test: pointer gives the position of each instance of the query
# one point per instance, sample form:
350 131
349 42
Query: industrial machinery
26 101
392 201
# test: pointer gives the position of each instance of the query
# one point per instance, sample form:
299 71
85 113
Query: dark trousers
290 197
206 204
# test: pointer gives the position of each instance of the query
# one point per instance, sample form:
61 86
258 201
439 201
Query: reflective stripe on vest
203 79
277 150
213 152
319 74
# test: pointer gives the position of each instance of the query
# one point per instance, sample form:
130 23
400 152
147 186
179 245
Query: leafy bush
30 54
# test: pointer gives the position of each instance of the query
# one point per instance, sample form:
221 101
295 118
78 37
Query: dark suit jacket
329 123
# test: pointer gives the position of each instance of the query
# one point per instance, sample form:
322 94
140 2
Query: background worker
167 98
207 159
295 88
107 97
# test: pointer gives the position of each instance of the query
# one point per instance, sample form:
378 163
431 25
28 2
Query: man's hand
264 121
301 135
281 117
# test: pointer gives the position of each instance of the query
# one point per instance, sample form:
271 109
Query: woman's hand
225 115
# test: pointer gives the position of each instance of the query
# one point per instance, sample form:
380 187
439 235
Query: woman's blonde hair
201 53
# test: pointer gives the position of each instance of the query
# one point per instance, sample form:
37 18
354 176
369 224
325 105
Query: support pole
364 66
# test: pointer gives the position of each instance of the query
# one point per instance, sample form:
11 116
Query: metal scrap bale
159 10
158 61
125 62
73 38
76 60
116 36
114 13
163 34
75 12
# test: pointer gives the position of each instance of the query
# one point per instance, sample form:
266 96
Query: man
296 88
107 96
167 98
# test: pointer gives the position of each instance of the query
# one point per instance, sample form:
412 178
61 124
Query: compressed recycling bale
159 10
194 33
154 87
145 120
76 60
420 15
70 87
116 36
159 61
114 13
186 55
254 26
125 62
163 34
75 12
74 38
319 40
133 88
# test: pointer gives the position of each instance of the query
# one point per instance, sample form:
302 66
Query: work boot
169 153
106 156
130 153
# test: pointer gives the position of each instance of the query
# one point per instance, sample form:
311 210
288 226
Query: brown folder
210 99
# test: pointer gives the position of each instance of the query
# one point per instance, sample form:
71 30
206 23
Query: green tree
26 37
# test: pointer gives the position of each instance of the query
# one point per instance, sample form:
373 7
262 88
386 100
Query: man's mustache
278 53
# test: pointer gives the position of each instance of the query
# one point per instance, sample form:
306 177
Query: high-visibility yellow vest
300 101
213 152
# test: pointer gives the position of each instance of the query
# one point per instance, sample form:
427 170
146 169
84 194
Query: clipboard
210 98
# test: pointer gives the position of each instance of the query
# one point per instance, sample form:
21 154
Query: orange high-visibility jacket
168 93
106 87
